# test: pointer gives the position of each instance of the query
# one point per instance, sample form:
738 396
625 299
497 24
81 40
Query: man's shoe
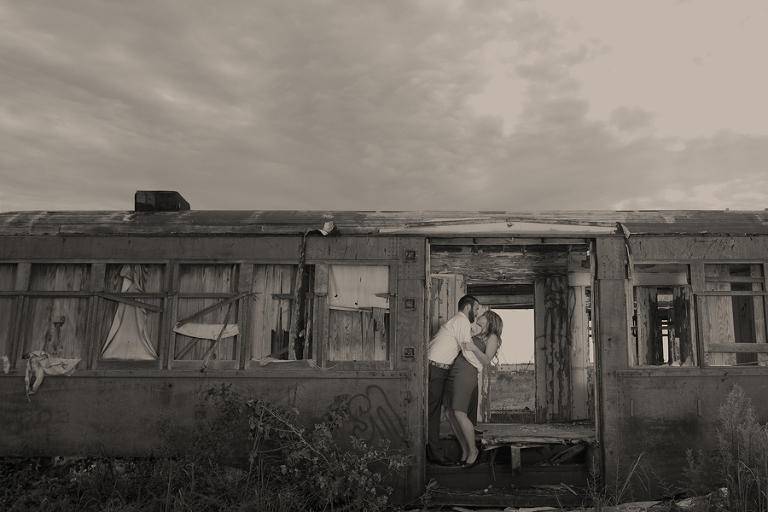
444 462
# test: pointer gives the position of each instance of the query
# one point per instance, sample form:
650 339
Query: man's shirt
446 344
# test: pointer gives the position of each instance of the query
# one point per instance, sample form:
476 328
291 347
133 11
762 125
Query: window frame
679 279
322 316
699 282
237 299
99 269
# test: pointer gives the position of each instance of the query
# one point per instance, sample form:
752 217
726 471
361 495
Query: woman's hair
495 325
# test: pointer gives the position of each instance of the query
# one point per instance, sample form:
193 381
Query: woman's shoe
472 464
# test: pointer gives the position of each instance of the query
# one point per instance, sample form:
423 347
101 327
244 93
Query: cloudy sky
386 105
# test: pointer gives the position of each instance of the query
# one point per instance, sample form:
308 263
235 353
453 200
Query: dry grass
513 391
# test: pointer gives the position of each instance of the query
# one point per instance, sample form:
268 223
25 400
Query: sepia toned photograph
393 256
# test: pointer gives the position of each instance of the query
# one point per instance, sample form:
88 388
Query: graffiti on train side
374 417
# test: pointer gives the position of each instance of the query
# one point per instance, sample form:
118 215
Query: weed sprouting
740 463
285 468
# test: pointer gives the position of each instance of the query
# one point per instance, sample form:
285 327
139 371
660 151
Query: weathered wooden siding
549 224
553 350
655 414
578 334
510 265
445 292
113 409
610 303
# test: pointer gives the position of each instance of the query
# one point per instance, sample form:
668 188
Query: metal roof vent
159 201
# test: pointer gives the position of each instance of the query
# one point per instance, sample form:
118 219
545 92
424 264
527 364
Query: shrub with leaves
740 463
310 464
291 469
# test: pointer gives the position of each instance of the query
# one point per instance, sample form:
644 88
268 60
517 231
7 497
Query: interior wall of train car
551 277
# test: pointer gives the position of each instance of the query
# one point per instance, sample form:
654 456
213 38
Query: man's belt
440 365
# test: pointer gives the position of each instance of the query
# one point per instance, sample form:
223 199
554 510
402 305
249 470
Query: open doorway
543 289
535 417
512 387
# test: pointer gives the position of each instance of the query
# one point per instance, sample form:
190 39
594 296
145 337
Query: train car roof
426 223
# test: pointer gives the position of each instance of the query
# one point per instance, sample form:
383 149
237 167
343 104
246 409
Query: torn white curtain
41 363
207 331
128 337
361 286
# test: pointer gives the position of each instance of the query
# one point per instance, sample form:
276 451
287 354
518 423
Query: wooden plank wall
7 308
717 317
519 263
395 394
685 325
445 292
359 335
206 279
271 314
39 331
655 414
578 327
483 380
613 307
553 350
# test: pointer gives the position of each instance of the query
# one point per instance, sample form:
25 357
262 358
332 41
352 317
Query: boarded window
733 311
214 335
57 323
127 331
662 325
7 281
61 277
358 300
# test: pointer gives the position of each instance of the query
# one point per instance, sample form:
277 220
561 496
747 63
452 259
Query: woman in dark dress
461 384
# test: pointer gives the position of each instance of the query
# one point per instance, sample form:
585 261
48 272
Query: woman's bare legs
458 432
468 433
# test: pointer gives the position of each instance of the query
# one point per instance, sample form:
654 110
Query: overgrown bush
310 465
740 463
287 468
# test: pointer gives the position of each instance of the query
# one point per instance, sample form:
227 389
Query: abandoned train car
644 320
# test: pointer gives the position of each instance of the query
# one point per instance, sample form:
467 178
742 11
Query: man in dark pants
443 349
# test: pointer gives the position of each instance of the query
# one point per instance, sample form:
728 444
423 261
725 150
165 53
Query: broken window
732 312
662 324
207 315
359 312
129 312
274 286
